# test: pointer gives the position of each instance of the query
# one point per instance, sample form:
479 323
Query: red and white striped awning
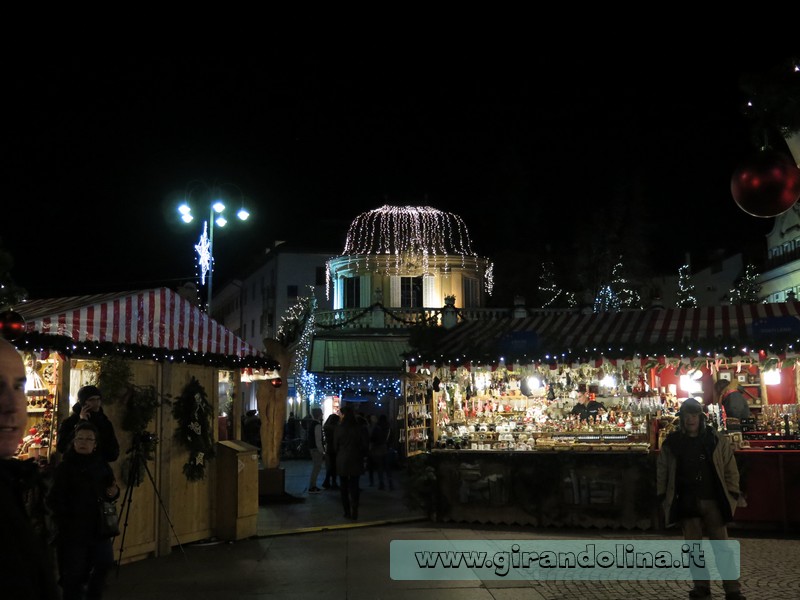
157 318
641 331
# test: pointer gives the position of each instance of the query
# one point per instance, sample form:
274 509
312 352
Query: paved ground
306 549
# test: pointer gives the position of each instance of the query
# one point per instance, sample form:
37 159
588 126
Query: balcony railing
380 317
776 261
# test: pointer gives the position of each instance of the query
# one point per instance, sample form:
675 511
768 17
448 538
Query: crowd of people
348 445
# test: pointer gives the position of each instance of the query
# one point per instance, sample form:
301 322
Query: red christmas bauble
768 185
32 430
277 382
12 325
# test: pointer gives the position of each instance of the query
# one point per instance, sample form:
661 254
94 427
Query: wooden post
272 406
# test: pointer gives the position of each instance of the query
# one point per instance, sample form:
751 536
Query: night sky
534 152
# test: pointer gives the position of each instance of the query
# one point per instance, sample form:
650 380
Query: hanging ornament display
766 186
12 325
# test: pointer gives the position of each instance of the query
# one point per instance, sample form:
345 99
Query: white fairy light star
203 248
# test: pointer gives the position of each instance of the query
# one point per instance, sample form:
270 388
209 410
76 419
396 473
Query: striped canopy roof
156 318
548 335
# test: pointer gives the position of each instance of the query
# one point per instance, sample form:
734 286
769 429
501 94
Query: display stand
41 391
416 418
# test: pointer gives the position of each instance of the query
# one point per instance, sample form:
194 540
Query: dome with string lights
414 230
408 242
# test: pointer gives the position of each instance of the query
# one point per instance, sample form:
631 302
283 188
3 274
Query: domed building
401 266
408 257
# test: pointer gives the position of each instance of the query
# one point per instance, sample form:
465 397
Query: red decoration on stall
12 325
766 186
277 382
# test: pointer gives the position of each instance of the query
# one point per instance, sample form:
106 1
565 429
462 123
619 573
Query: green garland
141 405
193 413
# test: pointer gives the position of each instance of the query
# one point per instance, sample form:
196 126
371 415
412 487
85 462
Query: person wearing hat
697 483
88 409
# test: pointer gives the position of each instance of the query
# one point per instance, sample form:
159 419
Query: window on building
291 291
352 292
319 278
411 292
472 297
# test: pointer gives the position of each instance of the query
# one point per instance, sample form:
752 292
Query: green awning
335 356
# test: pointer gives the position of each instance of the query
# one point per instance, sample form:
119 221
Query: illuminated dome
408 230
394 242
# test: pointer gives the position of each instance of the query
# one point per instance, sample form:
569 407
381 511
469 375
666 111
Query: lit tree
686 298
549 291
606 300
627 296
746 290
297 332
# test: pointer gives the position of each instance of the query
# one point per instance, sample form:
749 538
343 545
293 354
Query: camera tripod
137 461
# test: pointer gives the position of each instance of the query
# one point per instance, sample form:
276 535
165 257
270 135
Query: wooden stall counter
770 481
612 489
546 488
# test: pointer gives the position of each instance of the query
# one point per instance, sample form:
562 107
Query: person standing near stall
316 448
25 565
351 443
329 433
697 482
580 409
88 409
82 480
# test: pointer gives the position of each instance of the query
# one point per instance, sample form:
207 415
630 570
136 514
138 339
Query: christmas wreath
193 412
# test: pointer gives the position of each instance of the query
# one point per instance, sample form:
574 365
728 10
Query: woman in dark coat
81 480
351 443
329 433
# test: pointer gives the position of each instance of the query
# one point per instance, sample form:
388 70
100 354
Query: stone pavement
306 549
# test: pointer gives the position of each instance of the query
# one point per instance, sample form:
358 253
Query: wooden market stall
488 409
169 350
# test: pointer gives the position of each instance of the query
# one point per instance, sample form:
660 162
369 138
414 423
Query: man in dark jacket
697 482
88 409
352 443
25 565
580 409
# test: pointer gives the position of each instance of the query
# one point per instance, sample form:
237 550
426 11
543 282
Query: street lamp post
205 248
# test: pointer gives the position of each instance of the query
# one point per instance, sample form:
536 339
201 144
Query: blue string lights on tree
606 300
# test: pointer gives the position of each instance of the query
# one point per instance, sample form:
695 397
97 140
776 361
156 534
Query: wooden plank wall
185 512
